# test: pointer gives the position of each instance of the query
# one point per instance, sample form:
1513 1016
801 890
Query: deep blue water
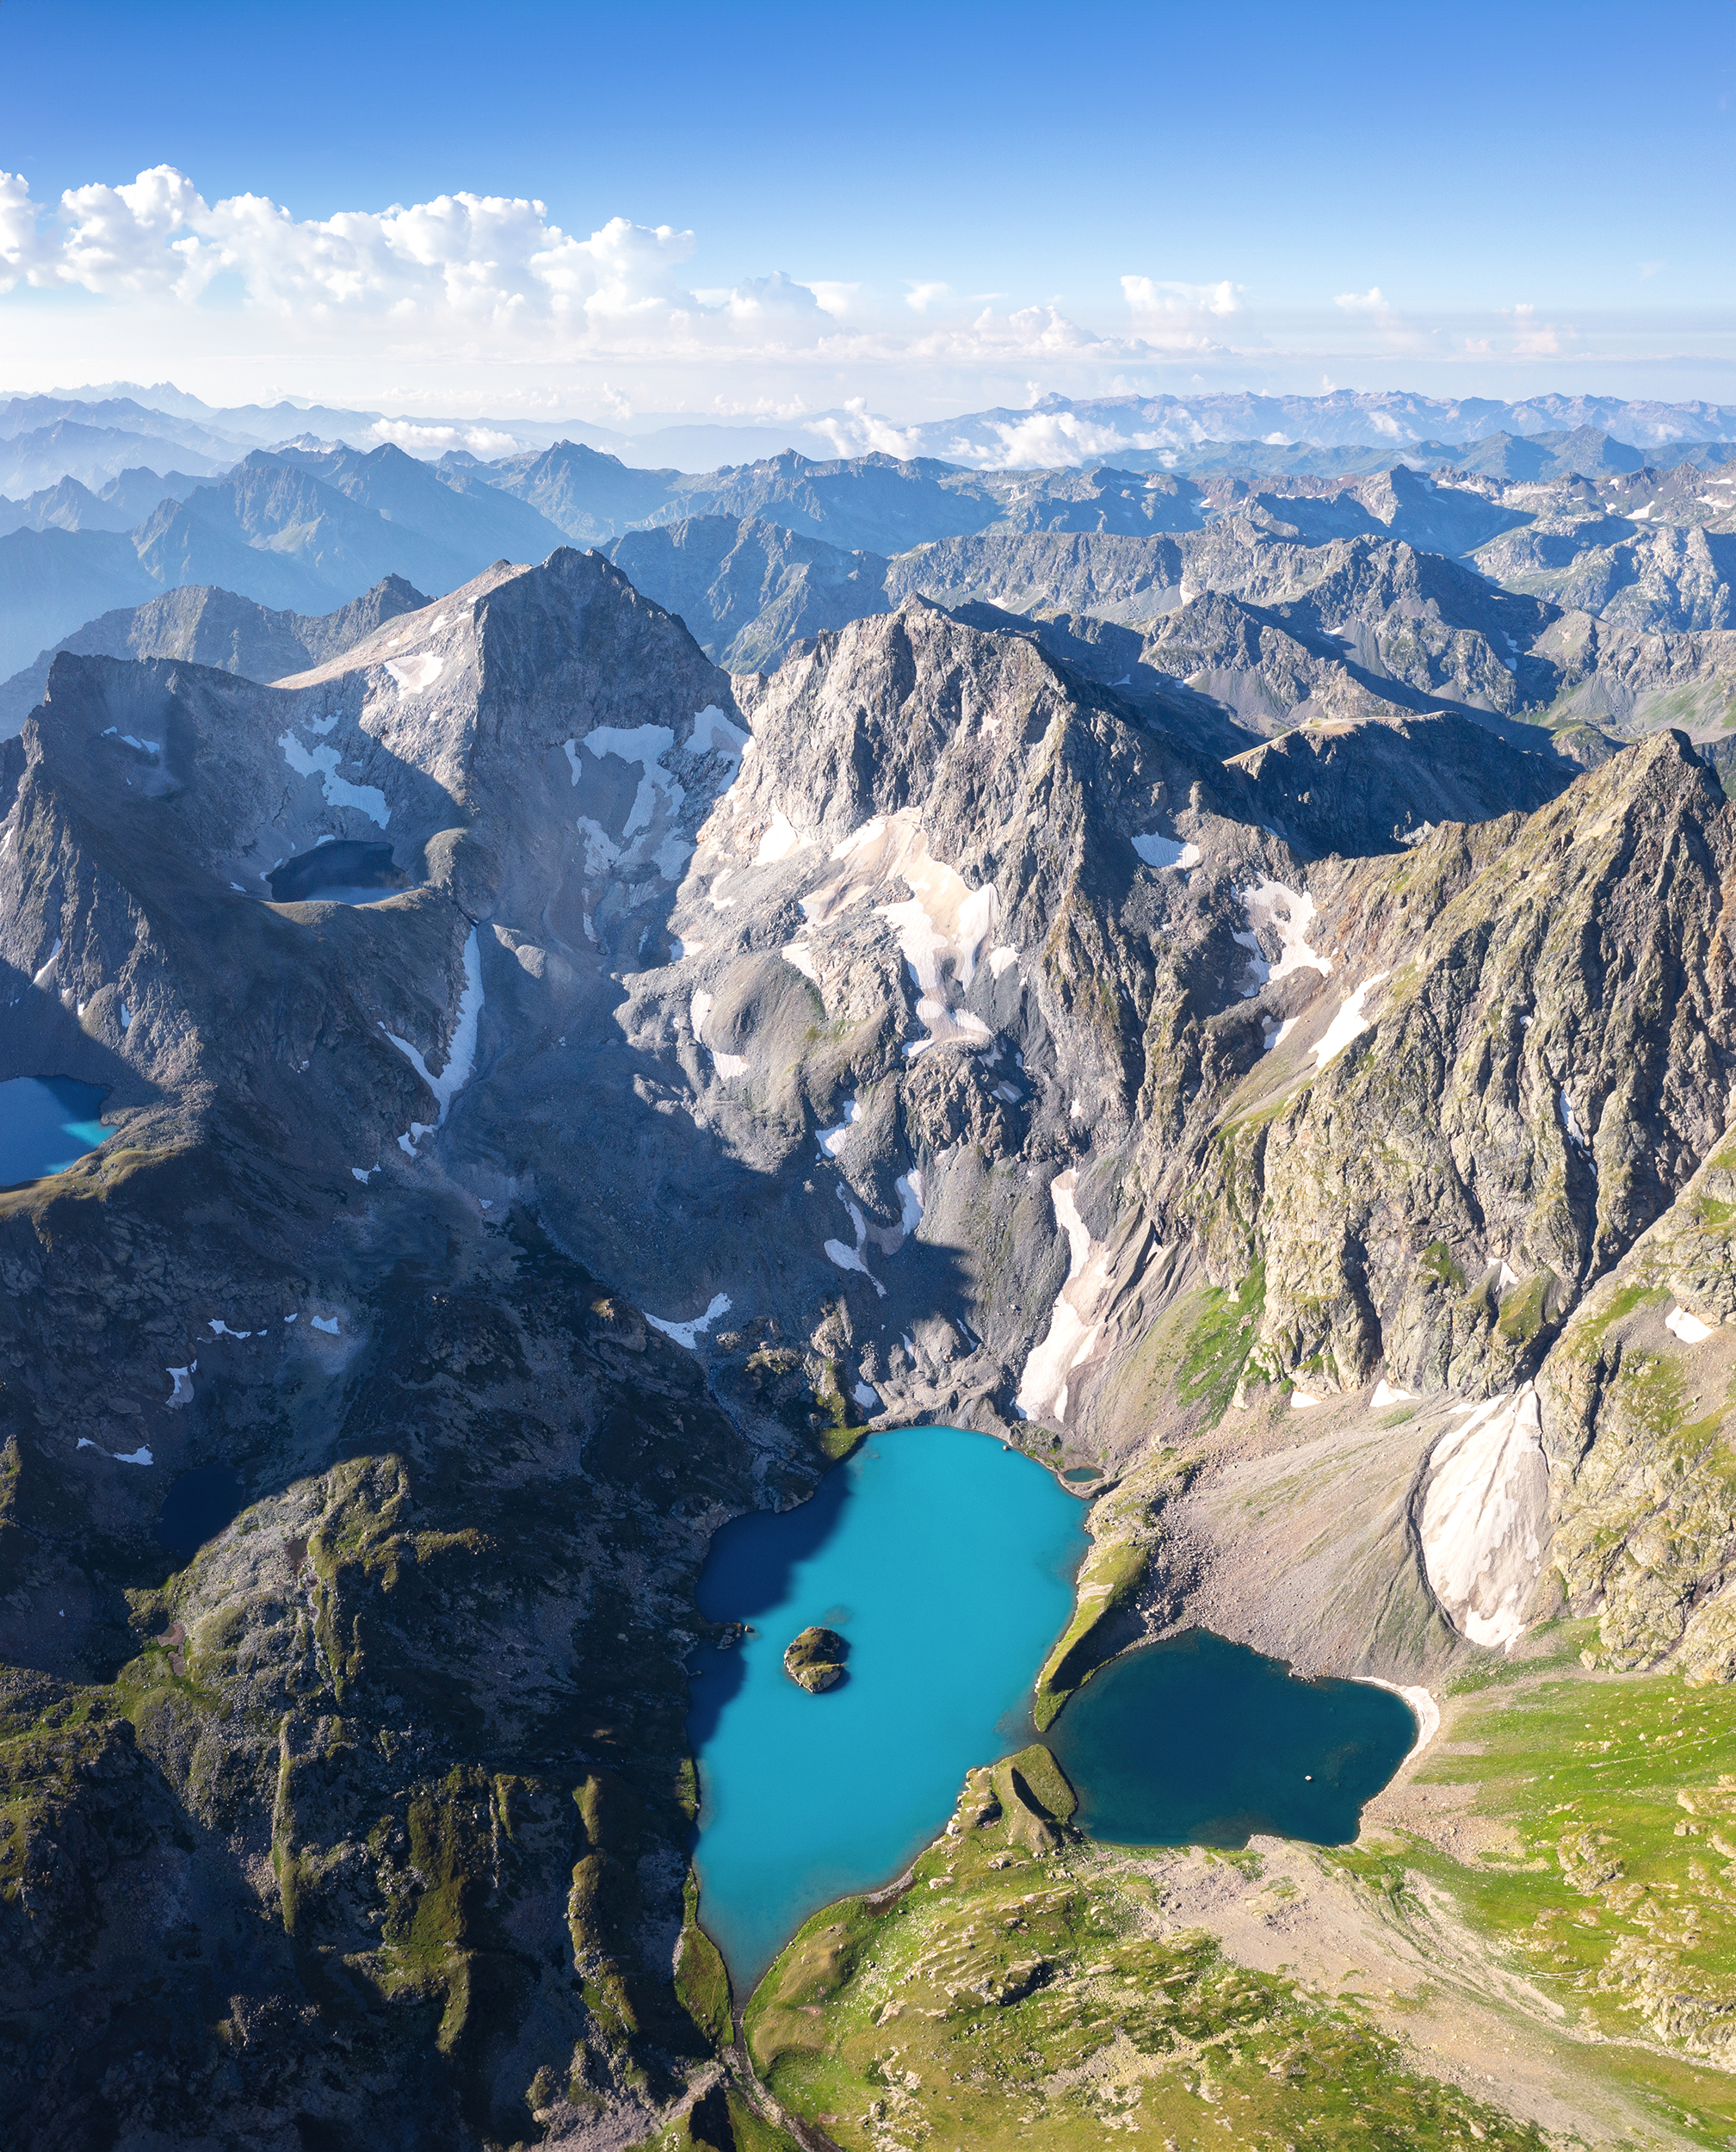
45 1122
197 1507
948 1562
350 870
1196 1741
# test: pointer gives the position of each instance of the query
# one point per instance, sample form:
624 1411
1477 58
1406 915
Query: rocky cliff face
927 1028
395 1767
211 626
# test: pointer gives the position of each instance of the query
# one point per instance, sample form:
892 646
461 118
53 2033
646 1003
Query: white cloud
1160 301
920 297
1048 438
473 254
1182 318
860 432
1392 331
482 304
1534 339
840 300
434 441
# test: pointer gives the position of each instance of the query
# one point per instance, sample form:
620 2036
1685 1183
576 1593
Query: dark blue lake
1196 1741
45 1122
196 1508
948 1562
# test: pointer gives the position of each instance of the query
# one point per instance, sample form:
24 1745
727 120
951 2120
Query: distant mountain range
92 434
1527 587
299 530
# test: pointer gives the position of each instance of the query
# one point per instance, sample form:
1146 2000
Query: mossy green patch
1608 1862
1005 2002
1111 1576
1219 1344
1523 1311
701 1983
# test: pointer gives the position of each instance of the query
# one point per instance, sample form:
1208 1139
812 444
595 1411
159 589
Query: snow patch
655 803
1387 1393
49 965
1348 1024
1002 959
1158 851
1288 913
220 1329
322 763
780 840
910 1188
851 1259
831 1140
1300 1402
1688 1327
181 1394
363 1173
642 743
1485 1517
414 674
1077 1319
943 920
327 1323
1570 1121
462 1051
726 1065
600 851
140 1455
672 855
867 1397
713 733
688 1333
799 955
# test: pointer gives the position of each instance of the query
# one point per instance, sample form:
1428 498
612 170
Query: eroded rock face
920 1030
814 1660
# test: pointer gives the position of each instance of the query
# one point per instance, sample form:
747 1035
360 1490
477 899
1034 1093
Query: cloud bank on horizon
471 300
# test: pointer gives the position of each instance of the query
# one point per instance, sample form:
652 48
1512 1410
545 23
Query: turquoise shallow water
948 1562
45 1122
1196 1741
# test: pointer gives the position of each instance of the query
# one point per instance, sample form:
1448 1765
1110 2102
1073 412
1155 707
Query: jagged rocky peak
1477 1109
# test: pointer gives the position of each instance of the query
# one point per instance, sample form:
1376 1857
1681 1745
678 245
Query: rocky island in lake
815 1659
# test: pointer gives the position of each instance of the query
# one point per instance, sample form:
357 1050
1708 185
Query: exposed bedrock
919 1031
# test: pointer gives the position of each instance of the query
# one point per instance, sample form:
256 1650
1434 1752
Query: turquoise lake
948 1562
45 1122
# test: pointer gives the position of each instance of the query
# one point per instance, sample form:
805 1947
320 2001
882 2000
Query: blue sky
985 201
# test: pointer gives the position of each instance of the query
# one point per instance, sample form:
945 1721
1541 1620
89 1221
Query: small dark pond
1196 1741
1082 1472
45 1122
197 1507
348 871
